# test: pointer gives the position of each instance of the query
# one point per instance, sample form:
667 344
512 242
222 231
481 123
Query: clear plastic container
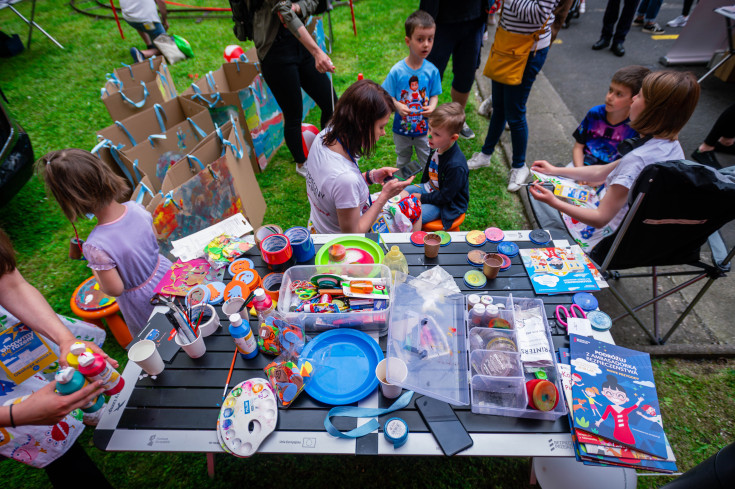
368 321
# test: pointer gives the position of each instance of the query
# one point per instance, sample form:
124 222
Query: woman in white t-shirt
338 191
660 110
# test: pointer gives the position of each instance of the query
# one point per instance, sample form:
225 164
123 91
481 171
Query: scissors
567 313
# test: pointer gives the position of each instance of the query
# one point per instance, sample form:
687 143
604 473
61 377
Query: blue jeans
649 10
153 29
509 105
429 212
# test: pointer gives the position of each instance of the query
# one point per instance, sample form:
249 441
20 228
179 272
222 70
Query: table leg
210 465
532 481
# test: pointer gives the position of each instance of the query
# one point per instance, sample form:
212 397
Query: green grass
55 95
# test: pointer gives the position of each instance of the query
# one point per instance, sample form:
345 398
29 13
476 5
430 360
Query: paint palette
249 414
90 297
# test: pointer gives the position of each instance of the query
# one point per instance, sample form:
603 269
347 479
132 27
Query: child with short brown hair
444 191
121 250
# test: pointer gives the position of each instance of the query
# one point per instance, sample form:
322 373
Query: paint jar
277 252
243 337
491 312
477 315
472 301
302 244
76 349
75 248
486 300
95 367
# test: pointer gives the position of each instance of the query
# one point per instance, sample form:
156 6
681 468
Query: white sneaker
582 7
680 21
301 169
486 107
517 178
479 160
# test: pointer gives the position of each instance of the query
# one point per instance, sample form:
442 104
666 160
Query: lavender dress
128 244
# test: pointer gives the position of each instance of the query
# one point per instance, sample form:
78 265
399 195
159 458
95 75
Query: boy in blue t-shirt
605 126
415 85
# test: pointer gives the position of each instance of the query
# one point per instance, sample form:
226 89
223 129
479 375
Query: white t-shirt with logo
332 182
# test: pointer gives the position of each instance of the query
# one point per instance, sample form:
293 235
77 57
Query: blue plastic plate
344 366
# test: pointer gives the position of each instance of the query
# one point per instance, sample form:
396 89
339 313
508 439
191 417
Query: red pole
118 20
352 11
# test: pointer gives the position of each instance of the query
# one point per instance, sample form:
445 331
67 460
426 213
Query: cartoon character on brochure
615 393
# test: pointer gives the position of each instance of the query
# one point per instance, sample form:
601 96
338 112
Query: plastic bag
276 336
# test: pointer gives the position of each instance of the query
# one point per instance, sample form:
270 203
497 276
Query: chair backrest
674 206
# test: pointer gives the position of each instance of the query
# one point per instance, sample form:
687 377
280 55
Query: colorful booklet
559 270
614 395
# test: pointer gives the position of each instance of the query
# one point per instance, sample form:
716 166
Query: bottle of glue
95 367
72 358
243 337
68 381
263 305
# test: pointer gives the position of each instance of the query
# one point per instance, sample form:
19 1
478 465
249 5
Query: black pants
724 127
623 22
75 465
287 68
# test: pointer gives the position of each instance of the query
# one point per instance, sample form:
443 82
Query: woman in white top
660 110
338 191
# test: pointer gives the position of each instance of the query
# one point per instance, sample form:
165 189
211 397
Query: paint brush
229 375
380 237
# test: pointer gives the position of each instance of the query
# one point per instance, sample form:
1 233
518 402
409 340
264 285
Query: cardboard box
135 88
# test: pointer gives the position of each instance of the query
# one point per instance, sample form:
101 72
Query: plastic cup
210 321
145 354
491 265
397 369
432 242
233 306
195 349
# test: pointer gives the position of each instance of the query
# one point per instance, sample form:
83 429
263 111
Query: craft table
177 412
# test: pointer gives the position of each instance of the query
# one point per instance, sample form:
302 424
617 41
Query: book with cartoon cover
559 270
614 396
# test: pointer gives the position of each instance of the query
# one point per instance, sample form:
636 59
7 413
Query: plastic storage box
482 366
367 321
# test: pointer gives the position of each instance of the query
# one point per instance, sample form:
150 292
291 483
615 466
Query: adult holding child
659 111
541 19
338 191
291 60
37 426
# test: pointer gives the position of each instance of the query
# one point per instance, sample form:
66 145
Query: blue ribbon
168 198
153 137
191 158
198 130
211 104
137 105
210 80
160 115
358 412
236 148
127 133
143 190
114 152
164 79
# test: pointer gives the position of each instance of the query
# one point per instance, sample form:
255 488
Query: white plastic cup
397 370
233 306
196 348
212 324
145 354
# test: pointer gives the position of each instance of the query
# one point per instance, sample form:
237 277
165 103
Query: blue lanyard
352 158
358 412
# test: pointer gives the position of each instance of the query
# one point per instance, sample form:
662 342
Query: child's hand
543 166
428 109
541 194
403 109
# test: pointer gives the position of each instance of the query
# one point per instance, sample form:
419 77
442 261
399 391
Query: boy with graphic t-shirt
444 190
605 126
415 85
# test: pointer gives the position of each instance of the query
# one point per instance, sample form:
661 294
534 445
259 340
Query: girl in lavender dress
121 250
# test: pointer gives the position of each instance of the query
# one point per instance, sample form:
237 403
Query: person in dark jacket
444 191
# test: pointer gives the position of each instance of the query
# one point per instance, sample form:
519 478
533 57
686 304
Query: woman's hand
45 407
323 62
380 174
65 349
394 187
543 166
541 193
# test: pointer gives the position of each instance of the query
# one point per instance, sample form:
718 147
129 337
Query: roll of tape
266 230
396 432
272 284
301 242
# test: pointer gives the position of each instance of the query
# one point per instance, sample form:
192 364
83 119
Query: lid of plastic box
427 333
